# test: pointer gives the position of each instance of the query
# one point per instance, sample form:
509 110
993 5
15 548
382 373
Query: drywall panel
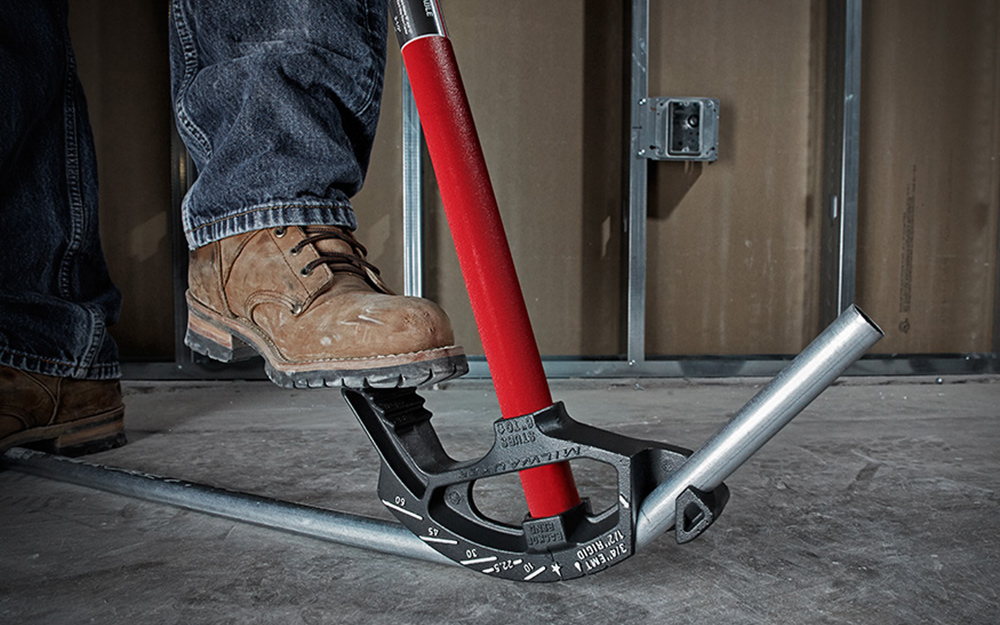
733 245
930 137
379 205
121 50
733 254
544 81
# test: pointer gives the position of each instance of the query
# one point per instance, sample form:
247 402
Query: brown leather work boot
306 300
60 415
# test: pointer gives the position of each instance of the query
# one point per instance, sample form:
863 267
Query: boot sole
100 432
229 340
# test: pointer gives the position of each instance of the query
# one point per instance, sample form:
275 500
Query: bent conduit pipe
839 346
809 374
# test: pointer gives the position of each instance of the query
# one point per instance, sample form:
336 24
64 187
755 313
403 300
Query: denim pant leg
277 102
56 298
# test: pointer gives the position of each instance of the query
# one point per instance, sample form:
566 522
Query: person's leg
58 364
277 102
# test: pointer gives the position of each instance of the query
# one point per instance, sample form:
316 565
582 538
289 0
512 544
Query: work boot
306 300
60 415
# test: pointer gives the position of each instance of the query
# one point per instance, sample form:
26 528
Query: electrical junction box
680 129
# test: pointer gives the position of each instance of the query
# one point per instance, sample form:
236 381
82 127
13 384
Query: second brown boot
306 300
60 415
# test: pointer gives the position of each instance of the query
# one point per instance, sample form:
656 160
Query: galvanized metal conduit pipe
808 375
346 529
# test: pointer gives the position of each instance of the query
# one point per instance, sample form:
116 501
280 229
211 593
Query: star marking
556 569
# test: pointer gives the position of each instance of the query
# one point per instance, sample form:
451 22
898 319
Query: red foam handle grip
484 255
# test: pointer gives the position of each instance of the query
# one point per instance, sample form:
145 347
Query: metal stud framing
638 169
413 268
841 157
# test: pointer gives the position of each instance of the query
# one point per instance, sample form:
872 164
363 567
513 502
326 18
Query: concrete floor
878 504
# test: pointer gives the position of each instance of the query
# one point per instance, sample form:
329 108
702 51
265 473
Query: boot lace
338 262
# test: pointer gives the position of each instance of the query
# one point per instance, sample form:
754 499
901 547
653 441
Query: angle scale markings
443 541
402 510
532 575
479 560
503 566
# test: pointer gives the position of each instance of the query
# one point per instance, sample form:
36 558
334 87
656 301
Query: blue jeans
277 102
